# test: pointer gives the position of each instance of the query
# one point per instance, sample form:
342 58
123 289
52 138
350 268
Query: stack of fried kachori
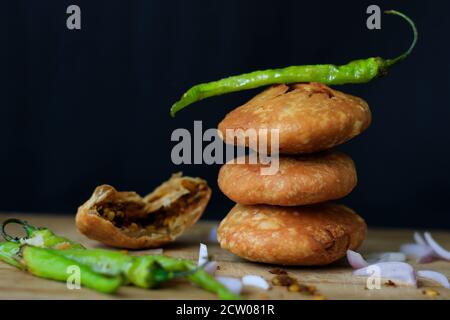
286 218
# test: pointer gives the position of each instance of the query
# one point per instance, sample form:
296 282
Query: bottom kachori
305 235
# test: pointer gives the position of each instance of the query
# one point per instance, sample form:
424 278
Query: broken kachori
127 220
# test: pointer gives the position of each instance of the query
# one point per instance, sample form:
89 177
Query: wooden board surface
333 282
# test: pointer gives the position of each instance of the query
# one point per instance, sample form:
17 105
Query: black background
82 108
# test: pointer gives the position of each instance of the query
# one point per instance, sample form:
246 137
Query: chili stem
390 62
26 226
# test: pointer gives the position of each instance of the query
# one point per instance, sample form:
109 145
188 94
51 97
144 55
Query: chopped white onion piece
356 260
213 234
387 257
202 255
232 284
211 267
438 250
419 239
435 276
255 281
400 271
423 253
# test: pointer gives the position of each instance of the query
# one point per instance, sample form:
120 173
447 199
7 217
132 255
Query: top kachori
310 117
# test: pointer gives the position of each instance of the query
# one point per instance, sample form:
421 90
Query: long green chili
45 263
147 271
200 277
357 71
142 272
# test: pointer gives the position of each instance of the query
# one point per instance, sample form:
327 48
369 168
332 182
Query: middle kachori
300 180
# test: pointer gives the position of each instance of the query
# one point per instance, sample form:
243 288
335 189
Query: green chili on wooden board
357 71
142 271
38 237
199 276
45 263
147 271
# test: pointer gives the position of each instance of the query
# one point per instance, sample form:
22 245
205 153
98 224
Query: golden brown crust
300 180
311 117
307 235
126 220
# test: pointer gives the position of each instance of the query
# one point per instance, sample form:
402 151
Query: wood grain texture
333 282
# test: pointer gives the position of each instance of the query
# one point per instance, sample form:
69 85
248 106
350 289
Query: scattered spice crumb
278 271
430 292
292 284
294 287
390 283
283 280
